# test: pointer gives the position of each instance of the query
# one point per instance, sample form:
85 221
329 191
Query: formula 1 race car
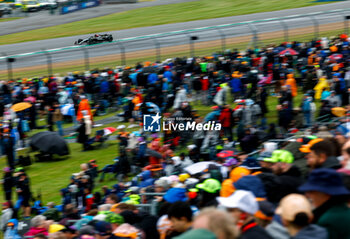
95 39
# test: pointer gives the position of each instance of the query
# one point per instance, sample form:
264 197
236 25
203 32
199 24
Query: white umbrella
199 167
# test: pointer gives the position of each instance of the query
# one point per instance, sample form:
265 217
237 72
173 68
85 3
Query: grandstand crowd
260 176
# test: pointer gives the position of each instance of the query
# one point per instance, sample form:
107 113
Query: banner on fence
79 6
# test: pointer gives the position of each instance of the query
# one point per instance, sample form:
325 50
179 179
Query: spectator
57 118
180 215
115 220
216 221
321 154
326 191
38 225
296 214
112 199
8 183
6 215
242 206
23 191
70 213
52 212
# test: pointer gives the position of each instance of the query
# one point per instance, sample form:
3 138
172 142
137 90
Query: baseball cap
293 204
230 161
250 163
55 228
264 155
306 147
210 185
183 177
103 228
274 157
266 210
115 218
241 199
286 157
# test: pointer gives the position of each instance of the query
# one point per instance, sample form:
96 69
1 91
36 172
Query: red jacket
225 117
205 83
36 230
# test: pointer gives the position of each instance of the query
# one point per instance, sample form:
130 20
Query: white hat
191 146
270 146
241 199
176 160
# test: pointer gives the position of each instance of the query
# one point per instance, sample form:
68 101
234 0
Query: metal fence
192 42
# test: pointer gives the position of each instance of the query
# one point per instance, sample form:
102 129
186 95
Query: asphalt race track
136 45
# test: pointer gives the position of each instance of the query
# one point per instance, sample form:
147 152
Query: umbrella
153 153
30 99
21 106
288 51
50 143
68 109
226 154
199 167
109 130
336 57
152 107
121 127
339 111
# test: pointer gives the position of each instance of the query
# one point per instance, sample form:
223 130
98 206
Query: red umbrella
336 57
288 51
226 154
109 130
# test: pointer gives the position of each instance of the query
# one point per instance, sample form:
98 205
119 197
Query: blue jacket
12 232
147 180
168 75
236 85
104 86
152 78
175 195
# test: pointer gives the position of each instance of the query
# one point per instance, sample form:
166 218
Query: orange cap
306 147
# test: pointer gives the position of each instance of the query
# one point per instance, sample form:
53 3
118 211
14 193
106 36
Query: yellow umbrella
21 106
338 111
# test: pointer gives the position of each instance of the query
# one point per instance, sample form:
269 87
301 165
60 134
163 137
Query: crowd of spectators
249 187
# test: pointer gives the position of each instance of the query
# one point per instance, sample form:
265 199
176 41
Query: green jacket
336 220
197 234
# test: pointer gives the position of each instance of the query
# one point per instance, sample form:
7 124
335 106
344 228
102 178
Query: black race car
95 39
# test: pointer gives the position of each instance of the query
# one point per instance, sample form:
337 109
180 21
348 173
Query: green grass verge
150 16
49 177
9 19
